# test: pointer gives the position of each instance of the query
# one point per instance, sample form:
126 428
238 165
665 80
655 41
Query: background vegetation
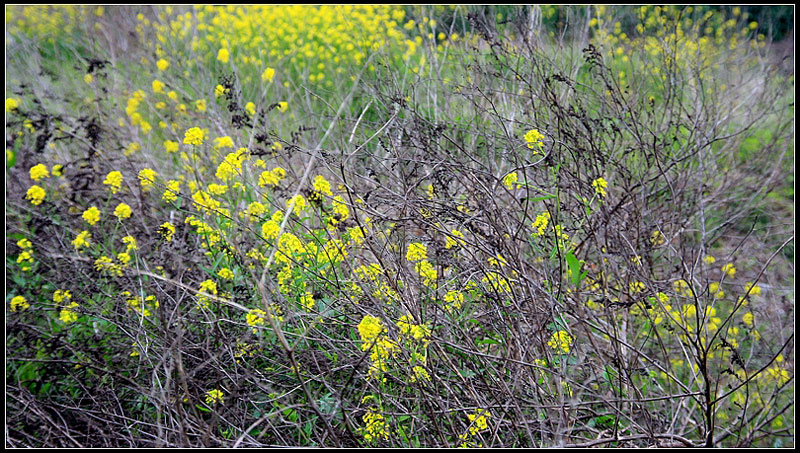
399 226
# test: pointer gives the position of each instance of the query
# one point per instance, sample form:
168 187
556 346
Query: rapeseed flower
38 172
416 252
147 177
167 230
533 138
19 303
113 181
170 146
162 65
123 211
172 191
223 55
193 136
36 195
561 341
82 240
91 215
268 75
600 185
158 86
11 104
729 270
214 397
510 180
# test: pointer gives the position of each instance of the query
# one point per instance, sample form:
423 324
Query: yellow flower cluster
36 195
82 240
255 318
533 139
194 136
214 397
454 239
416 252
19 303
600 186
147 177
209 287
25 258
272 177
561 341
38 172
113 181
478 421
417 332
381 347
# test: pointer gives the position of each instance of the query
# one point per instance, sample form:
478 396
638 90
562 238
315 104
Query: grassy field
387 226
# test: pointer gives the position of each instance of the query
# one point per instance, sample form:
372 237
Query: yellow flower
223 55
307 301
219 90
36 195
747 319
560 341
510 179
19 302
533 138
172 191
299 203
67 315
478 421
729 269
193 136
416 252
91 215
369 329
656 238
167 230
268 75
200 105
158 86
38 172
600 185
282 106
130 241
752 289
540 224
147 177
454 239
162 65
209 287
270 229
322 186
82 240
225 273
272 177
223 142
214 397
122 211
170 146
250 108
256 317
113 181
709 259
11 104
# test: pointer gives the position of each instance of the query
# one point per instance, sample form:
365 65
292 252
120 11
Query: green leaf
575 269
